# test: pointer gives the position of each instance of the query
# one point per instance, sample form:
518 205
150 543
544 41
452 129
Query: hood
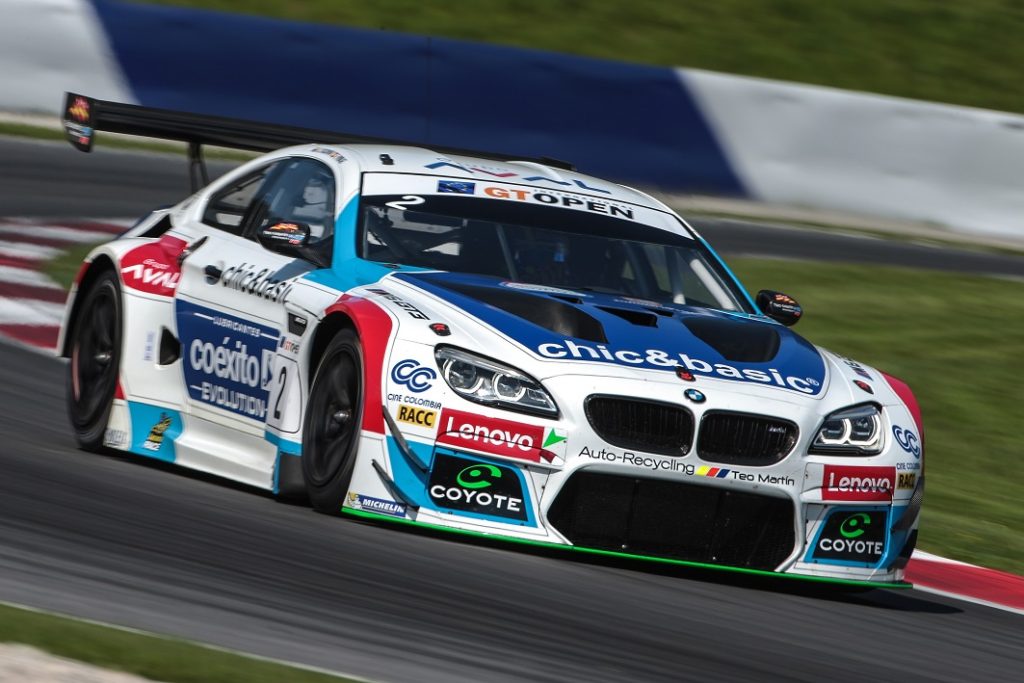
567 325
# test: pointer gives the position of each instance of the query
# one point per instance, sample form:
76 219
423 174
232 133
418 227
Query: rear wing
83 116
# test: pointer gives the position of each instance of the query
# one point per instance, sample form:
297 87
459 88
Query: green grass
957 340
64 268
959 52
162 659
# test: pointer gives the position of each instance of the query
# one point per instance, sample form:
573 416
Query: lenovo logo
841 482
493 435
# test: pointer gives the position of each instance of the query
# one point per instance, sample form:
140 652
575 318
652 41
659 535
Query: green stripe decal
628 556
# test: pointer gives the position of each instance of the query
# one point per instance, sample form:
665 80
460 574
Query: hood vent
740 341
544 311
632 315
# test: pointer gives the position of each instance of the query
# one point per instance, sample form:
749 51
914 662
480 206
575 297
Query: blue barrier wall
633 123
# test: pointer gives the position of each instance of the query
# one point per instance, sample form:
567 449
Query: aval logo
152 268
411 374
907 440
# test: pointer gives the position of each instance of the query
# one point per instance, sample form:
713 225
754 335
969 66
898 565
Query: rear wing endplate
82 116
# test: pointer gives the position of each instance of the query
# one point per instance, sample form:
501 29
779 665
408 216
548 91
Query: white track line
967 598
928 557
30 312
25 250
26 276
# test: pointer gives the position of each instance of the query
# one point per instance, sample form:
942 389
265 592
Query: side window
300 191
227 207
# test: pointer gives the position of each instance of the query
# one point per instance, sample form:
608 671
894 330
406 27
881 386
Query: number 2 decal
405 202
281 380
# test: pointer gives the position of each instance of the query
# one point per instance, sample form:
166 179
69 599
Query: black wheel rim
334 410
94 356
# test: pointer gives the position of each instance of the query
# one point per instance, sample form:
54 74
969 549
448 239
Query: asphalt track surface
124 540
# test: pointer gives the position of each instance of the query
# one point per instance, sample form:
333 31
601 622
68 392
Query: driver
312 207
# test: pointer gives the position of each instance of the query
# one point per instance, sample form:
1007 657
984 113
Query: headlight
486 381
850 431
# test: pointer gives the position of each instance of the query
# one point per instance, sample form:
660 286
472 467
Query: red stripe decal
19 262
374 327
967 580
43 336
18 291
81 272
907 396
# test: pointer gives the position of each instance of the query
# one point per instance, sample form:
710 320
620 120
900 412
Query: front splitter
628 556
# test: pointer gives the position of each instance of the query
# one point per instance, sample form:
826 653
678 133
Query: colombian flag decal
716 472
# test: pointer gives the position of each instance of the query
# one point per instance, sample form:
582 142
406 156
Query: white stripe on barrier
868 154
26 276
50 46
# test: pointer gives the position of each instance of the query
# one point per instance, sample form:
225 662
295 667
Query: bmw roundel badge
694 395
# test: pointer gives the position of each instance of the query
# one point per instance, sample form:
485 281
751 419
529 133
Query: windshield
591 245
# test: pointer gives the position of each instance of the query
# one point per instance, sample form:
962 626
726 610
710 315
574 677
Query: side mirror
284 237
779 307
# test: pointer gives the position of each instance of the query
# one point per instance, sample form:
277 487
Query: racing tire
95 359
331 427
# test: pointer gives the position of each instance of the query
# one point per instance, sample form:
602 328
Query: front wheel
95 359
330 433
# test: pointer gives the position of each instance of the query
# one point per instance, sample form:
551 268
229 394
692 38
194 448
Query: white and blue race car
503 347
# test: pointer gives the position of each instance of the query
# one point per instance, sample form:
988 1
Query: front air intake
673 519
648 426
743 439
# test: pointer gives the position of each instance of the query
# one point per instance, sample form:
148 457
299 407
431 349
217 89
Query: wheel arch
322 336
95 268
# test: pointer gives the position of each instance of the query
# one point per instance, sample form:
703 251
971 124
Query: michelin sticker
228 361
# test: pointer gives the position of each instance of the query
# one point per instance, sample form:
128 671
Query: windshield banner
412 190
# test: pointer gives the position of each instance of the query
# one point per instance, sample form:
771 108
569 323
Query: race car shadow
897 599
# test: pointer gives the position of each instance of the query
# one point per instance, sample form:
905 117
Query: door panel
230 311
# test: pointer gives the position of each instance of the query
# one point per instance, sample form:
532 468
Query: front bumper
585 492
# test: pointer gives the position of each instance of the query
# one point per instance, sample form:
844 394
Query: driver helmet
316 190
